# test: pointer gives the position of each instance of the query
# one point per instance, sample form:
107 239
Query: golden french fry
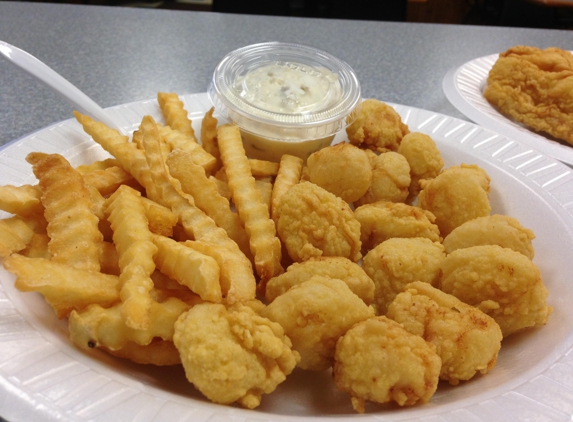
195 270
108 180
254 214
194 181
161 219
84 169
97 326
21 200
197 225
37 247
290 171
265 188
64 287
177 140
262 168
159 353
175 114
15 235
222 188
209 136
135 247
72 224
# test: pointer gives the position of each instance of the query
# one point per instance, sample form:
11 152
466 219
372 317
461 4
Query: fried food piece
381 221
64 287
37 247
467 340
390 178
288 175
495 229
501 282
233 355
377 127
21 200
105 327
161 219
263 168
135 247
158 353
458 194
396 262
15 235
265 245
378 360
424 158
68 208
190 268
175 115
108 180
314 314
209 136
342 169
313 222
534 87
328 266
195 182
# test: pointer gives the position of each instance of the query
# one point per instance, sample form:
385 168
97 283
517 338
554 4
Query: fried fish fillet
535 87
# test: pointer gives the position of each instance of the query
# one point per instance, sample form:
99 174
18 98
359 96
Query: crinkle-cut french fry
265 188
68 208
174 113
127 154
161 219
37 222
177 140
97 326
254 214
21 200
37 247
98 165
165 147
263 168
222 188
195 182
15 235
158 353
136 249
193 269
290 171
209 136
196 223
63 287
108 180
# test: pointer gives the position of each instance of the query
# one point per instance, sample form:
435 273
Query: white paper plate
464 87
44 378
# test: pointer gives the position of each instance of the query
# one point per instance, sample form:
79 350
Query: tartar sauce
287 87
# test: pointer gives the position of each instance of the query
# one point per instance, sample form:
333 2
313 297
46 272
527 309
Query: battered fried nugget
390 178
467 340
423 156
458 194
377 127
313 222
535 87
341 169
329 266
501 282
378 360
397 262
495 229
314 314
381 221
233 355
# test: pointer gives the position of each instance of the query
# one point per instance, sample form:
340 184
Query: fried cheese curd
342 169
501 282
534 87
314 314
314 222
466 339
390 178
377 127
396 262
423 156
382 220
496 229
232 354
328 266
378 360
458 194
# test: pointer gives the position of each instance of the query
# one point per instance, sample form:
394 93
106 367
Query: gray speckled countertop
119 55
